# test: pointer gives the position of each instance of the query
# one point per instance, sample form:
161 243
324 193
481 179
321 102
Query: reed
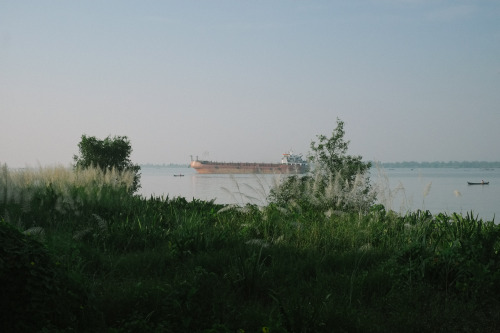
36 197
255 192
59 178
323 261
323 190
388 196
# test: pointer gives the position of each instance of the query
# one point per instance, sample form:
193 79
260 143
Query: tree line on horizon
439 164
404 164
115 152
165 165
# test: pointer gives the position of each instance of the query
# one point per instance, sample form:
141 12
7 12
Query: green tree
337 181
330 155
107 154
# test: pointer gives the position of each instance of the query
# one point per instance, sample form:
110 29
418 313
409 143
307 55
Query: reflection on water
434 189
223 188
440 190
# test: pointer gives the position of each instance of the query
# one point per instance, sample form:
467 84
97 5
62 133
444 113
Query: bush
36 293
338 181
108 154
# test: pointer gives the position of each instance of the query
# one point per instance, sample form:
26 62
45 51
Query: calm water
437 190
442 190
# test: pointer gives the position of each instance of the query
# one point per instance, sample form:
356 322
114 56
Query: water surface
434 189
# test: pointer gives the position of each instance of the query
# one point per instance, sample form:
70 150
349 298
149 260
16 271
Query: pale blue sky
247 80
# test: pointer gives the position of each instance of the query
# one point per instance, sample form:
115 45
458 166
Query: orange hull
206 167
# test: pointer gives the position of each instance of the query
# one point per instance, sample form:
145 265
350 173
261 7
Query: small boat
481 183
179 175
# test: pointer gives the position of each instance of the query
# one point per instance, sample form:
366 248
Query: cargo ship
290 164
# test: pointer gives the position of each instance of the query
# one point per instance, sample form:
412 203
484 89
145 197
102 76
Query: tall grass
321 190
34 197
388 196
172 265
255 191
61 179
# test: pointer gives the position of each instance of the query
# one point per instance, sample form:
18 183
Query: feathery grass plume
4 174
227 208
37 232
425 193
112 178
366 247
238 191
235 207
324 191
60 178
6 183
263 187
282 210
230 193
257 242
102 225
45 191
246 193
405 202
387 196
259 194
81 234
427 189
233 194
343 194
245 209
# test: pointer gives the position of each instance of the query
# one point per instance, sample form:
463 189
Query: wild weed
244 192
323 261
38 197
323 191
388 196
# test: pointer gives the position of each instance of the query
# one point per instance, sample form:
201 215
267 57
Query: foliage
40 198
130 264
330 155
36 293
107 154
338 181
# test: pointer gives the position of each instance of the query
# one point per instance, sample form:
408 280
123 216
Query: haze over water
435 189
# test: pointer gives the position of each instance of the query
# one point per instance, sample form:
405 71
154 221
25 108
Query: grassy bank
79 253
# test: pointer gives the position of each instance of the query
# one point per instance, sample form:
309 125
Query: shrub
108 154
338 181
36 293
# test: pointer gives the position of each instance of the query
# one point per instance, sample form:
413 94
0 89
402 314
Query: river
401 189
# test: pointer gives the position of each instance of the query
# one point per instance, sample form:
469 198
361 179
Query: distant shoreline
451 164
164 165
410 164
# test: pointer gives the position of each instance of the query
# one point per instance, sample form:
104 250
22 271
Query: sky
226 80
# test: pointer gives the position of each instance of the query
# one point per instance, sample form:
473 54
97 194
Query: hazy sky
413 80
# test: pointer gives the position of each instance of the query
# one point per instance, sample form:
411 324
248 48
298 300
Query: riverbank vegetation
337 182
111 153
79 252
